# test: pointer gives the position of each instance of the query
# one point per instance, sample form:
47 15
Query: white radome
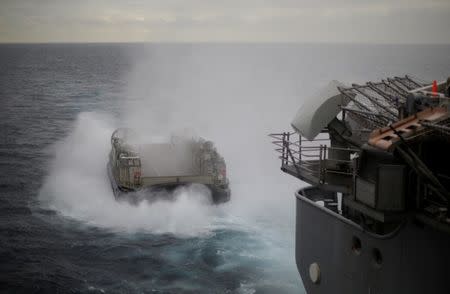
317 111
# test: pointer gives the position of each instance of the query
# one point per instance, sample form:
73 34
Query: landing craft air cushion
135 170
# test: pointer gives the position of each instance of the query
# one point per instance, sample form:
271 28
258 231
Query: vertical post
299 147
283 151
325 156
320 163
287 146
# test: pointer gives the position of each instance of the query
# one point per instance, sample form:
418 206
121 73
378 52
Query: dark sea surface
61 229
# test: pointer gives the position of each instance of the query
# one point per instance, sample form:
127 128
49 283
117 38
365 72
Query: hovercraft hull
218 194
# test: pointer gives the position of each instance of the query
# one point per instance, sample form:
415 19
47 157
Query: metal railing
313 159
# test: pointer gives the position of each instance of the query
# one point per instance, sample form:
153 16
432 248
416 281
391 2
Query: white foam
77 186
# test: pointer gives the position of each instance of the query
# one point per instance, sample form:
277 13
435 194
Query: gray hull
412 259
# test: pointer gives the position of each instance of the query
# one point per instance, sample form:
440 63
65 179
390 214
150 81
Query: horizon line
216 42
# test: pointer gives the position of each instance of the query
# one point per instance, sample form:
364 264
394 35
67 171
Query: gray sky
384 21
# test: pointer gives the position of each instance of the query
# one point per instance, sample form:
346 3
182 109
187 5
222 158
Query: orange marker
434 87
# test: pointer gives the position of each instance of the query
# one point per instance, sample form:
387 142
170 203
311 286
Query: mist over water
227 100
78 187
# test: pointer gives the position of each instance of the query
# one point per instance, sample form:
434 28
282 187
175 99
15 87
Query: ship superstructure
376 218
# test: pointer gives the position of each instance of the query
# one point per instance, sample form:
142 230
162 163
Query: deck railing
312 159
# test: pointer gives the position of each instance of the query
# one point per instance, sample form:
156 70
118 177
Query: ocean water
61 229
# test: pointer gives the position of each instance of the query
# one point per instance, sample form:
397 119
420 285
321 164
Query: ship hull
219 195
412 259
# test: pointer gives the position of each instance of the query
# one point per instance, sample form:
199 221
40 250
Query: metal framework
393 115
371 106
376 104
312 160
442 127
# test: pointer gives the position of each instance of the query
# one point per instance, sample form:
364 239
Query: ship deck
165 159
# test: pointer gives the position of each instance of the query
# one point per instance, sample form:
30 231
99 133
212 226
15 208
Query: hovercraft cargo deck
135 167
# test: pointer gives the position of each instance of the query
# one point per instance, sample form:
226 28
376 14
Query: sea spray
77 186
231 100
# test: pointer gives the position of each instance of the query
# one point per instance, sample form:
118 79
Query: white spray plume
229 97
226 98
78 187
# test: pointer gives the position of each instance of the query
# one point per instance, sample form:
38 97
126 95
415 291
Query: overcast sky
362 21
